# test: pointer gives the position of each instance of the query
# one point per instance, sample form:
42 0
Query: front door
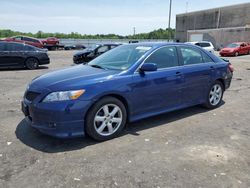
159 90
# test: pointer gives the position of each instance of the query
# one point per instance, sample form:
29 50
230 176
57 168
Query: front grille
30 95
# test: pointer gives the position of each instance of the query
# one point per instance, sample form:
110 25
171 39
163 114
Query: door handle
178 73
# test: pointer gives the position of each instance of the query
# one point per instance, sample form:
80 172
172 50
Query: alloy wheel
108 119
215 95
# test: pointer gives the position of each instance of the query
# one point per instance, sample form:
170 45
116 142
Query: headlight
63 95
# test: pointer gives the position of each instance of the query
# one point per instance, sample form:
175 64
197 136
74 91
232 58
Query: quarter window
164 57
191 56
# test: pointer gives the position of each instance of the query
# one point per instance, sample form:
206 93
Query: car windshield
233 45
120 58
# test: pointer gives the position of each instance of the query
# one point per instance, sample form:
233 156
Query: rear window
204 44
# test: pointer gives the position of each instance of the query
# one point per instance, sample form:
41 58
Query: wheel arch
222 82
30 57
115 95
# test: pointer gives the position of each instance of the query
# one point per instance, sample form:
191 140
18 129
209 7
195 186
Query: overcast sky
96 16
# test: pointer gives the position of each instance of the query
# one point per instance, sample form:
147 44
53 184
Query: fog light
52 125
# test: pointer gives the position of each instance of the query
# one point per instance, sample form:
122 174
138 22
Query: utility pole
169 20
134 31
186 6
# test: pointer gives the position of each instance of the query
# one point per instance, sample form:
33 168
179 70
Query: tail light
230 67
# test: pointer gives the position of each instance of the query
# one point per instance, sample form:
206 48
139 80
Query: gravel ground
192 148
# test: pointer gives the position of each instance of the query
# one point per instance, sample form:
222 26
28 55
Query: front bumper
62 120
44 61
227 53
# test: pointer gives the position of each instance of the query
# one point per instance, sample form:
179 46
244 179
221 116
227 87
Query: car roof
114 44
24 36
198 42
156 44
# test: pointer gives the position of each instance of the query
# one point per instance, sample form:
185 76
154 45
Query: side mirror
148 67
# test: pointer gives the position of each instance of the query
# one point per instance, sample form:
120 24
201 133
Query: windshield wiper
97 66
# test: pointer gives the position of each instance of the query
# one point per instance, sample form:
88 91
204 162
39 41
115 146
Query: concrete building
220 26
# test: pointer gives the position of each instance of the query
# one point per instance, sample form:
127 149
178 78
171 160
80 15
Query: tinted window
205 44
164 57
103 49
29 40
2 46
14 47
191 56
29 48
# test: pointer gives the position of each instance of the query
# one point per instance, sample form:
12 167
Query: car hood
71 78
86 51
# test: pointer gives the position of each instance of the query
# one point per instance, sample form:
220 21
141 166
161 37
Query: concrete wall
222 37
224 17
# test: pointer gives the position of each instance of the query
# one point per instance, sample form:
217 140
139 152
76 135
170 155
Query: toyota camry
126 84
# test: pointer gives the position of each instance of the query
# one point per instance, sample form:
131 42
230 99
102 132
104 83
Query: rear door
14 55
197 68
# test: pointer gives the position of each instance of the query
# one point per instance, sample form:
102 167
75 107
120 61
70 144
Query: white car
204 44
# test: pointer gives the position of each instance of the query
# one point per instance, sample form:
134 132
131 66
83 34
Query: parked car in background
51 41
126 84
27 40
17 55
92 52
205 45
74 47
235 49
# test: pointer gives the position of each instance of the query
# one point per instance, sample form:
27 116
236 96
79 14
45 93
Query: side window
2 47
29 48
102 49
164 57
111 47
206 58
14 47
18 38
191 56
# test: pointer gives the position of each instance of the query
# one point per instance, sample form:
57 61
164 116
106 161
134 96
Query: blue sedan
126 84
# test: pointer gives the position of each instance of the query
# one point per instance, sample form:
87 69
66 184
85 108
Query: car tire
32 63
236 54
106 119
214 95
249 52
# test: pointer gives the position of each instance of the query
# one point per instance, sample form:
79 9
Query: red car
52 41
235 49
27 40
